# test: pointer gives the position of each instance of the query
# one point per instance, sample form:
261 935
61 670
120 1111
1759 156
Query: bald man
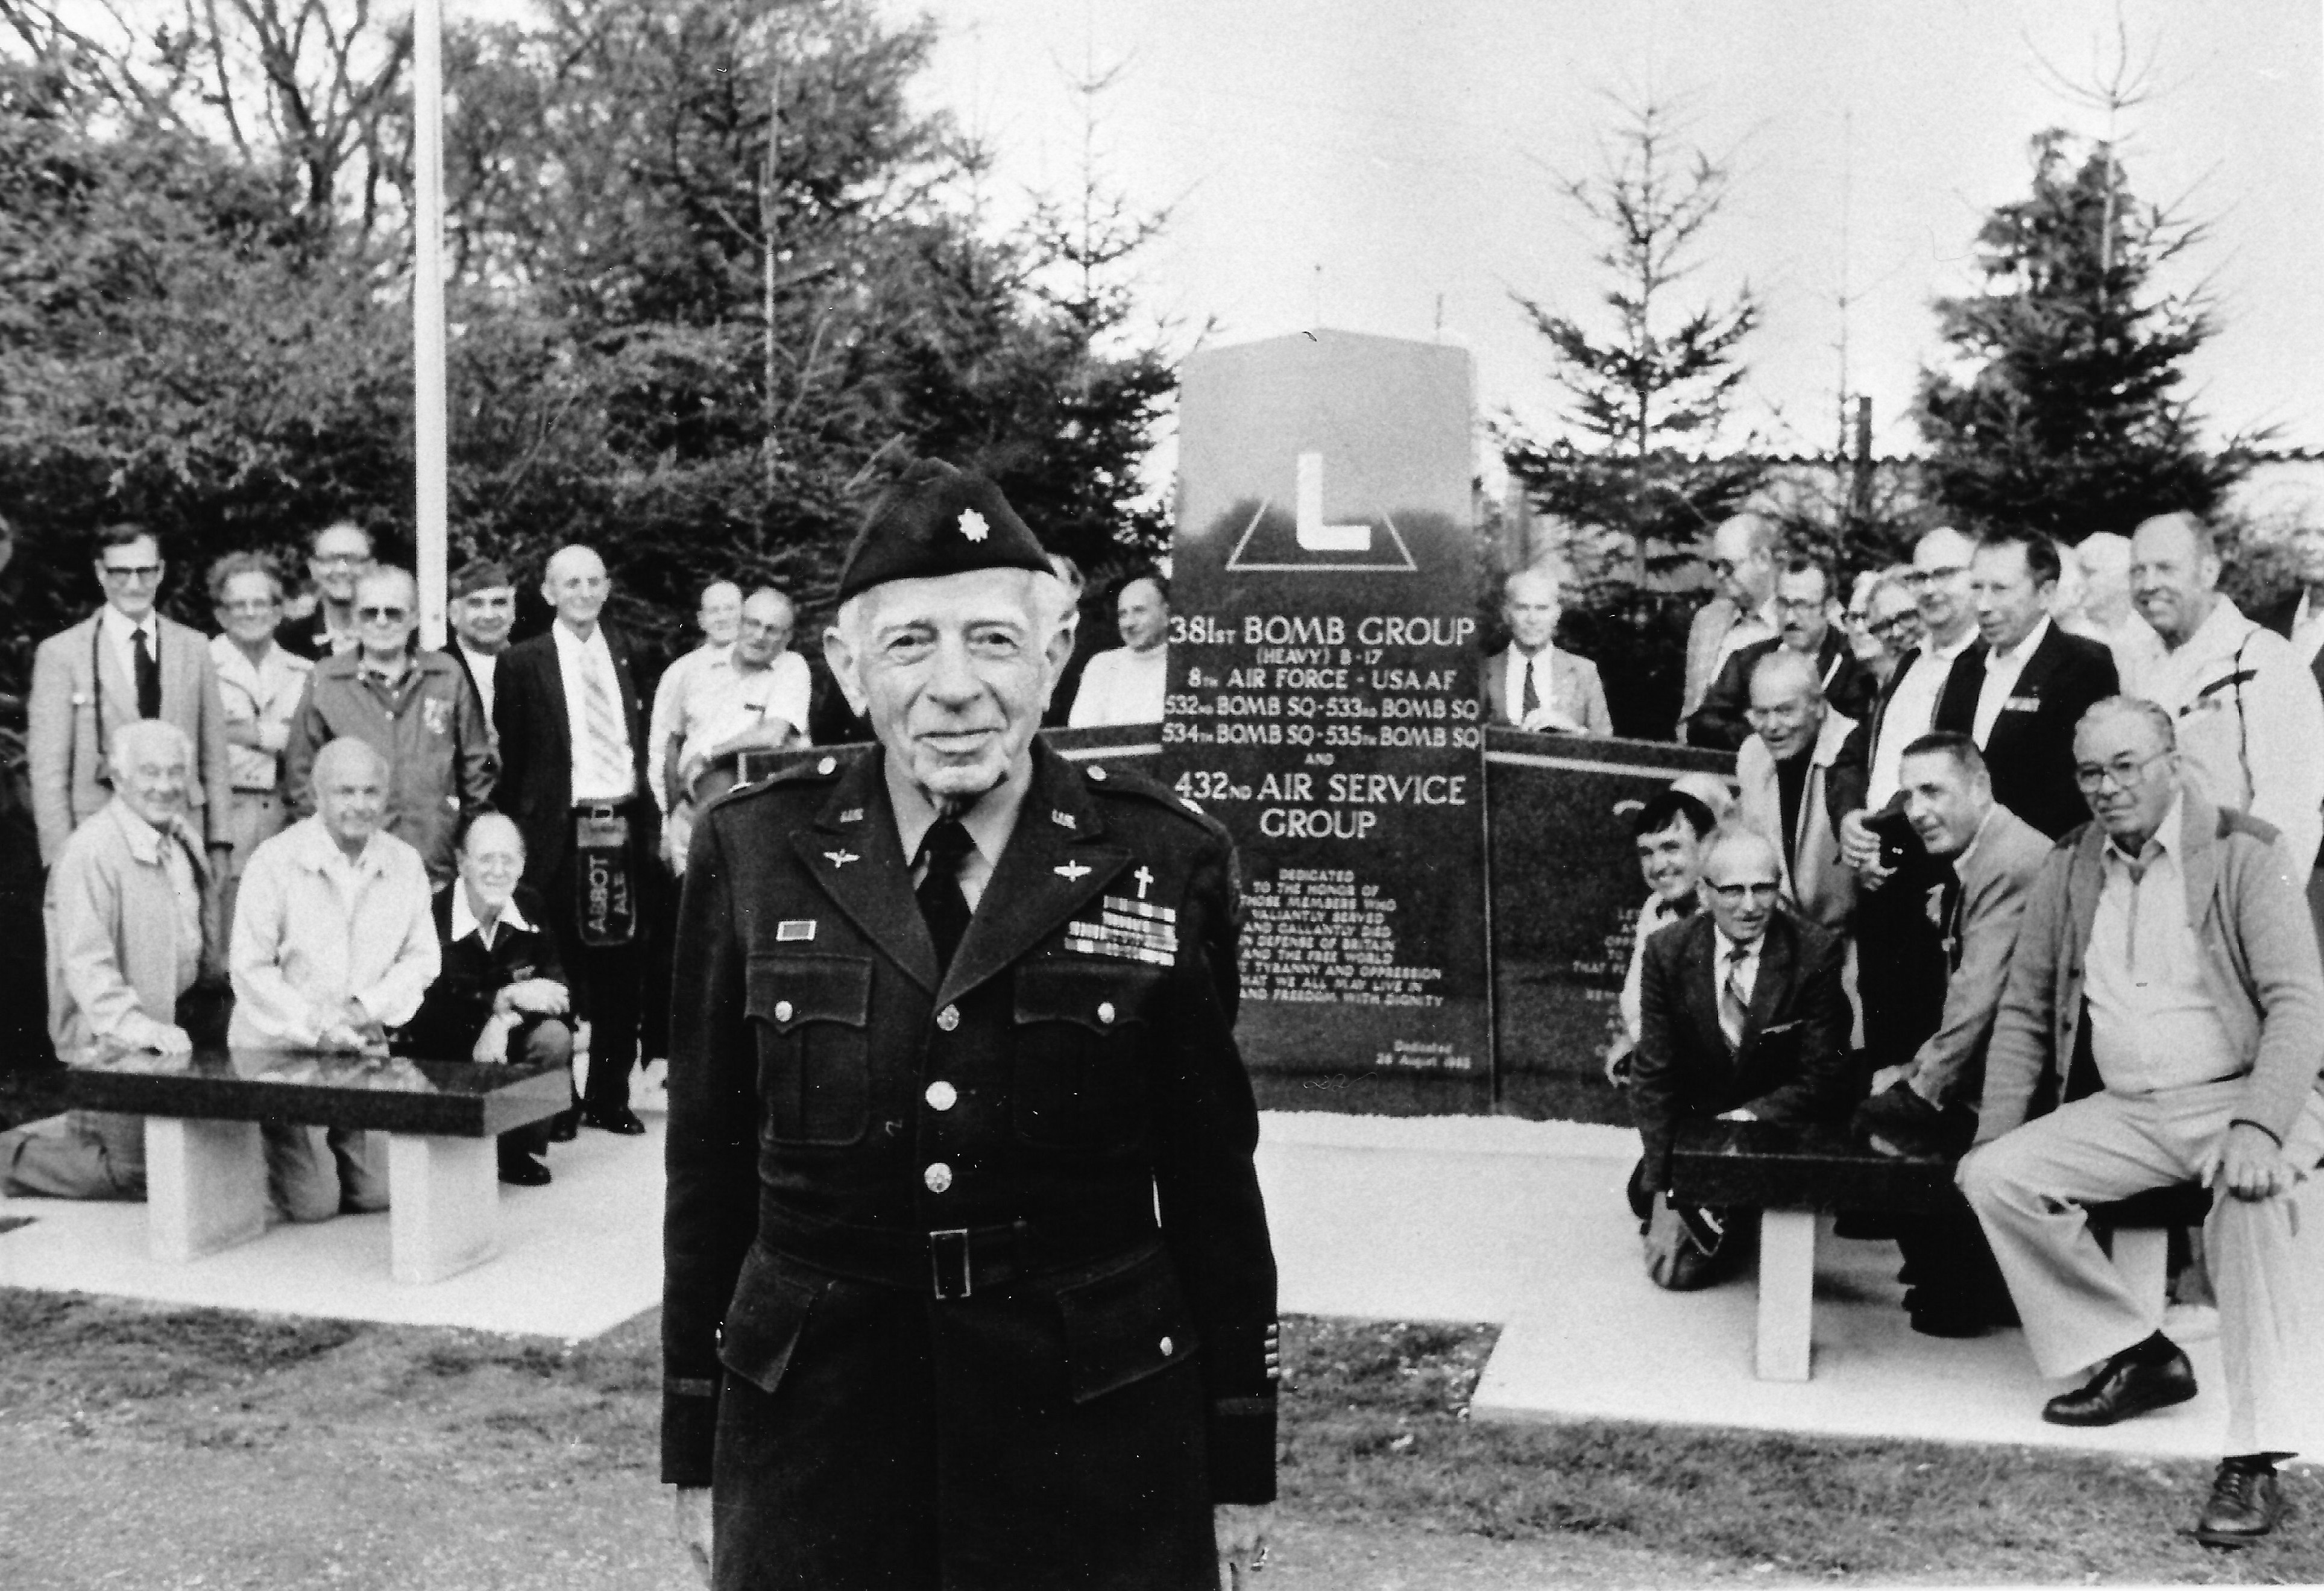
1790 783
1743 558
417 708
574 774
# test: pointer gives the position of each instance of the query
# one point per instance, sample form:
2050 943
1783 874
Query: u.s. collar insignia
1062 820
972 525
1071 872
840 859
853 815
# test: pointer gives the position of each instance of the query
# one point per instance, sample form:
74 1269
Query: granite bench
1791 1175
206 1171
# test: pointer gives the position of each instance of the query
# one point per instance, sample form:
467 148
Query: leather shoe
565 1125
618 1118
522 1170
2123 1386
2244 1506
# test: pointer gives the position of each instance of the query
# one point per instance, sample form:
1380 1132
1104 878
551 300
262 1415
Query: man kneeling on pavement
2165 986
1741 1018
1926 1105
501 995
132 929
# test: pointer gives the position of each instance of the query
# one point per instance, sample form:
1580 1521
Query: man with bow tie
968 1280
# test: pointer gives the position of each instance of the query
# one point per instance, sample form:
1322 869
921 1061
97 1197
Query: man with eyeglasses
1741 1017
124 663
2164 984
1742 562
1892 627
337 556
262 684
415 707
2249 718
1804 613
1897 945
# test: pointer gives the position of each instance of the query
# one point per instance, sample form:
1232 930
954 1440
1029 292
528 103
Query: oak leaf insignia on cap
936 519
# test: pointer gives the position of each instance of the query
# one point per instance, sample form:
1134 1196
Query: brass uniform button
1105 1011
948 1018
938 1176
942 1096
782 1010
1168 1347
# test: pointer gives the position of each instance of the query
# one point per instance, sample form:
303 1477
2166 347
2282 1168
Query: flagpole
431 522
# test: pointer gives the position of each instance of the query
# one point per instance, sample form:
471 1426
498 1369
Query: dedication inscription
1324 704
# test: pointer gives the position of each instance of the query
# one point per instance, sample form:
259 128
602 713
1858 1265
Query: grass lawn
165 1449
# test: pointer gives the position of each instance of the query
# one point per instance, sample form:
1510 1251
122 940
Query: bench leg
2142 1255
205 1186
1787 1245
443 1205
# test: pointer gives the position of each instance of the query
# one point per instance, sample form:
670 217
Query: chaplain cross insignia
842 859
1145 880
972 525
1071 871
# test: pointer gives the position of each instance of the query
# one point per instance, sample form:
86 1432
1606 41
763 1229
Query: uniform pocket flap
788 991
1125 1326
763 1320
1095 995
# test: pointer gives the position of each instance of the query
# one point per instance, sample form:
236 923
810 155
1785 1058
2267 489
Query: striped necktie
608 737
1733 1011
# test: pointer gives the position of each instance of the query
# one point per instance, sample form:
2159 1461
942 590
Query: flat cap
938 520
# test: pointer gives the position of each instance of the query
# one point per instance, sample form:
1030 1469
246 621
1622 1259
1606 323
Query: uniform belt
959 1261
604 809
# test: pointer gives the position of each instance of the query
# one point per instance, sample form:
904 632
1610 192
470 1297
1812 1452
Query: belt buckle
601 810
948 1265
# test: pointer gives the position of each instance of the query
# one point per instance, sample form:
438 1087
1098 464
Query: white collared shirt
2254 744
465 920
668 723
1655 916
1744 972
725 700
2001 669
1749 629
990 823
2152 1023
1122 687
1911 713
264 694
2307 631
576 659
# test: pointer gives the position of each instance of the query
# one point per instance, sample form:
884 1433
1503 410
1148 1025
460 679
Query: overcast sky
1401 148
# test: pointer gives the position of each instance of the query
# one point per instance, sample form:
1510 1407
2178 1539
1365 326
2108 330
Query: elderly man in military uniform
968 1278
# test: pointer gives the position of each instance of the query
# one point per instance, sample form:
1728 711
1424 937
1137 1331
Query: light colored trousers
80 1154
2029 1187
315 1172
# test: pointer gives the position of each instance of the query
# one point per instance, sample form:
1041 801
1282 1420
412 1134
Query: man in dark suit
1804 608
572 728
960 1142
501 994
2020 691
1741 1016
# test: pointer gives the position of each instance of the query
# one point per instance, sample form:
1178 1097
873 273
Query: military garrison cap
938 520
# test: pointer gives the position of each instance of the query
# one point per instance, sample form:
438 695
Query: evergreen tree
2063 411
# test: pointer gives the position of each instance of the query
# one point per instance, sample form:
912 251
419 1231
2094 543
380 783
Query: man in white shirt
2102 609
719 617
1127 684
482 612
1531 683
333 945
759 703
1896 944
2250 721
260 682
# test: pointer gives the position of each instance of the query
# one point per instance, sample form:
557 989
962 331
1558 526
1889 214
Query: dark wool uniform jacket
1070 1080
459 1002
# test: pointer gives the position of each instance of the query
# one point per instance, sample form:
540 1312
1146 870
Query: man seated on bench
2165 984
1926 1105
333 945
501 995
131 917
1741 1017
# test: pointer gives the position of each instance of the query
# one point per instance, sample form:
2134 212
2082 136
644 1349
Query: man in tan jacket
130 914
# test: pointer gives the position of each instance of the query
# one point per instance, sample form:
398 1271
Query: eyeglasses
1800 604
1734 894
256 605
1894 624
391 615
130 571
2127 772
339 560
1923 577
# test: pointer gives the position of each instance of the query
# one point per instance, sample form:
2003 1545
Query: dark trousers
542 1041
1900 959
607 981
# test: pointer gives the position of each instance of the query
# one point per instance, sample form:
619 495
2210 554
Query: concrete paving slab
576 1257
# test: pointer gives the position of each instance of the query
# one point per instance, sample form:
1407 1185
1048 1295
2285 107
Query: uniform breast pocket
808 1014
1085 1051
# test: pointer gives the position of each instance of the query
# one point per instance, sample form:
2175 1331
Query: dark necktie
1532 698
943 902
149 677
